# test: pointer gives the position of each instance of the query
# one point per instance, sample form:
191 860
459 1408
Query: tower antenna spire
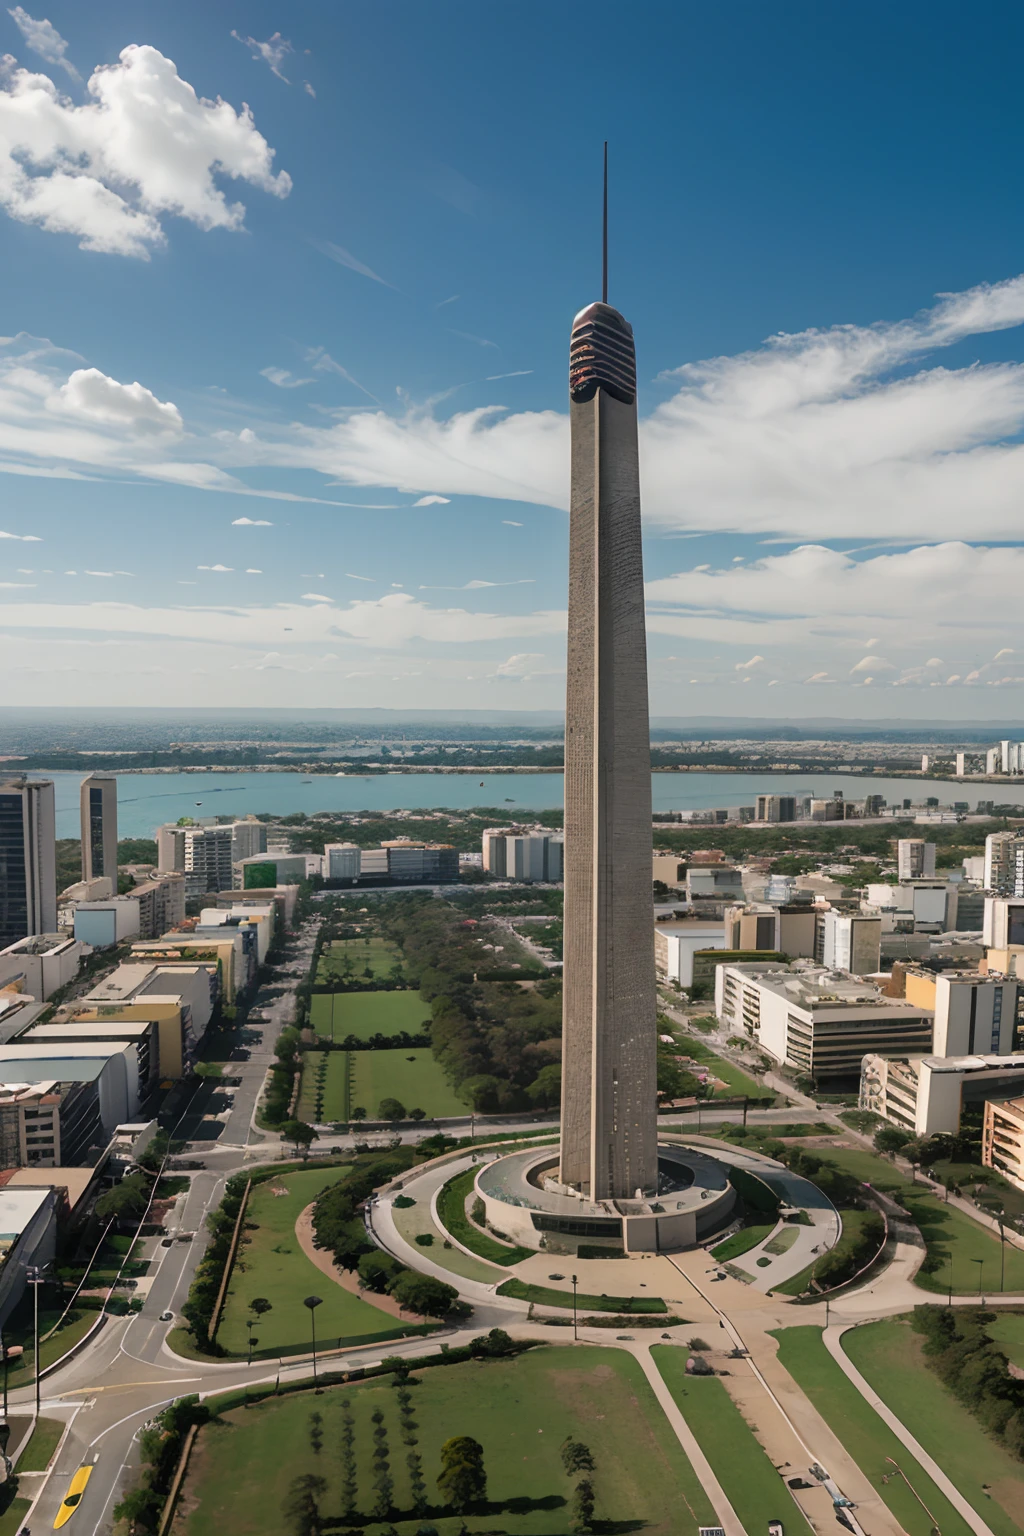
604 232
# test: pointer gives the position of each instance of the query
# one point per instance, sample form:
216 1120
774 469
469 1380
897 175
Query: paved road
128 1373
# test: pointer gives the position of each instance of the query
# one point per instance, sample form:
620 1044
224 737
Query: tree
126 1200
301 1507
582 1511
546 1088
462 1481
316 1432
348 1462
422 1293
378 1271
889 1139
382 1479
301 1134
141 1508
260 1305
576 1457
417 1114
357 1113
391 1109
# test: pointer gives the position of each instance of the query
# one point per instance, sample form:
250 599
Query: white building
676 943
105 923
961 764
819 1022
98 806
851 941
999 860
992 760
915 859
45 962
924 906
926 1094
204 855
28 883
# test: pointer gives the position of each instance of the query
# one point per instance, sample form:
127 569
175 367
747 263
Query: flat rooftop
817 988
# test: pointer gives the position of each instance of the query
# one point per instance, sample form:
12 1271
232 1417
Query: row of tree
965 1358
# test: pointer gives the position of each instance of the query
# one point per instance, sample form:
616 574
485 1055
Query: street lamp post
575 1334
312 1302
34 1276
1002 1253
981 1275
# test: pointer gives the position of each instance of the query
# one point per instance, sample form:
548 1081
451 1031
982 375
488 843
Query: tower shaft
609 1040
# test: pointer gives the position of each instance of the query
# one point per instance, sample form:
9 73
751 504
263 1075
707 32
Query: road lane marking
121 1386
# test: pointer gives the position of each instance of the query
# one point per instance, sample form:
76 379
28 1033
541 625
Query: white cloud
92 396
1006 651
808 436
10 585
508 523
214 567
872 664
273 52
820 677
250 522
23 538
744 666
521 666
353 577
42 38
308 89
314 597
433 501
284 378
145 145
252 570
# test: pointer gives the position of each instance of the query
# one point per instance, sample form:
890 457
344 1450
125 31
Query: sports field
890 1355
753 1487
336 1015
520 1411
412 1077
343 958
869 1441
272 1265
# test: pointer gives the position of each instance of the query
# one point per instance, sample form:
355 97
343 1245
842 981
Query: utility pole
575 1334
34 1276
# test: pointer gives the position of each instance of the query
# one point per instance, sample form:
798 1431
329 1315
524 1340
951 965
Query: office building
713 883
161 904
676 942
511 853
915 859
103 924
1003 927
917 906
960 765
927 1095
267 870
999 861
669 868
342 863
59 1103
412 863
43 963
98 801
609 1037
248 838
974 1012
28 1239
775 808
850 941
819 1022
28 884
202 854
143 1035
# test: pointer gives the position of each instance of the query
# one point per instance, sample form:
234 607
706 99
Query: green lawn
890 1356
412 1077
45 1438
20 1332
995 1192
413 1220
337 1015
736 1081
1008 1332
955 1238
273 1265
547 1296
853 1221
742 1241
335 1100
868 1167
242 1465
451 1209
869 1441
753 1487
13 1516
377 955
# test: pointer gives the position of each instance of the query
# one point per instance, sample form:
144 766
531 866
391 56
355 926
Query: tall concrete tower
98 802
609 1034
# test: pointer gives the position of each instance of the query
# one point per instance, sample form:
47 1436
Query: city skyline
282 414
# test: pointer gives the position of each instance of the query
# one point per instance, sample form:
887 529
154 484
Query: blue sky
283 391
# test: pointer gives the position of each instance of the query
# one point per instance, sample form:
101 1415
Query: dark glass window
96 830
13 874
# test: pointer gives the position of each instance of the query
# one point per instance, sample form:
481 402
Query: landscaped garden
414 1078
272 1266
350 959
325 1081
519 1412
891 1356
742 1241
871 1443
736 1081
753 1487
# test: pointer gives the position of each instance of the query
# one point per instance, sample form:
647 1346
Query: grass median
891 1357
913 1498
742 1241
547 1296
753 1487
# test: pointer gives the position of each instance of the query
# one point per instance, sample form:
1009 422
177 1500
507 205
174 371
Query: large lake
146 800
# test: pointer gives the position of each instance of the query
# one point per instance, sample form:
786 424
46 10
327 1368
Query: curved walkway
833 1343
346 1278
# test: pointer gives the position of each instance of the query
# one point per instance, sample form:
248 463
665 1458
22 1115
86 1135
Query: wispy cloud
23 538
323 362
42 38
474 586
273 52
517 373
250 522
509 522
345 258
454 298
480 341
284 378
214 567
432 501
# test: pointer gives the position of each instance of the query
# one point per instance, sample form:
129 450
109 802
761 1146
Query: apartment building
848 941
775 808
819 1022
342 862
514 853
915 859
43 963
1002 1139
98 807
974 1011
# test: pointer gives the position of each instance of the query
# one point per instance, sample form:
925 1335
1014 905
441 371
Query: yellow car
73 1497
